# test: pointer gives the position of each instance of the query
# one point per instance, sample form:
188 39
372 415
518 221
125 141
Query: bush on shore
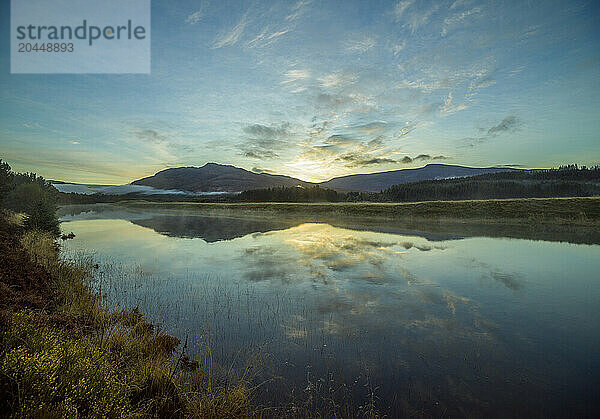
30 194
68 355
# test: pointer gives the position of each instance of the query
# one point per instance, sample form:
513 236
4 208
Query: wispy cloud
150 135
337 79
260 154
300 8
481 82
458 19
361 45
261 170
372 128
418 19
406 129
268 132
400 8
231 36
196 16
265 38
397 48
509 124
450 107
355 161
265 142
292 76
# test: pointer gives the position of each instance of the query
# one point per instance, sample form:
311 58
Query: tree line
565 181
30 194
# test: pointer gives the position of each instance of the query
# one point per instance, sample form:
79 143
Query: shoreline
519 211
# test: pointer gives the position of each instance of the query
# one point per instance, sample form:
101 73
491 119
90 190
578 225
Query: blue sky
316 89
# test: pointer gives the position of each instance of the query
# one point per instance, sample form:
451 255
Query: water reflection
469 326
209 229
431 230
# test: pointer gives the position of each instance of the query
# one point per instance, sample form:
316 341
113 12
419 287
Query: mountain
375 182
214 177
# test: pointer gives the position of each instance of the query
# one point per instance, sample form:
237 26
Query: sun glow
309 170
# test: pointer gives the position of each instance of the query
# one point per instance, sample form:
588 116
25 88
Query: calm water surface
413 323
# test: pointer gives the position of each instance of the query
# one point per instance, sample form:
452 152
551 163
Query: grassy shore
64 354
556 211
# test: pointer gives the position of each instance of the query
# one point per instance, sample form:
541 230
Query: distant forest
566 181
562 182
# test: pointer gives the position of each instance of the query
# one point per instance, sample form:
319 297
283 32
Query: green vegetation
290 194
64 354
557 211
567 181
32 195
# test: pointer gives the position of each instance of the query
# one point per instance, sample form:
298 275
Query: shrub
57 374
39 205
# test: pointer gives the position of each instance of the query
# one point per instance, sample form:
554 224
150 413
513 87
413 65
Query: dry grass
78 358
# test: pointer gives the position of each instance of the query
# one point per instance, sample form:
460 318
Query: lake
361 317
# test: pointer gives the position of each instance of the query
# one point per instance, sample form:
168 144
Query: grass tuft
75 357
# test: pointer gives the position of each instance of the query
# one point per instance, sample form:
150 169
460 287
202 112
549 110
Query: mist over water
415 322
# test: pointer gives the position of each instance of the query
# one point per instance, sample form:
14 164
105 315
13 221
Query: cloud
459 3
334 100
338 139
263 142
458 19
481 83
337 79
510 281
428 108
361 45
292 76
472 141
195 17
450 108
260 154
418 19
150 135
400 8
263 39
298 10
397 48
259 170
406 129
508 124
370 162
268 132
376 127
421 157
356 161
351 151
232 36
421 85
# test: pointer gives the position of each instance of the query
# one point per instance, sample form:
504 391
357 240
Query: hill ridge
216 177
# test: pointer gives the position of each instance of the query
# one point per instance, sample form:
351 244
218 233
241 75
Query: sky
317 89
